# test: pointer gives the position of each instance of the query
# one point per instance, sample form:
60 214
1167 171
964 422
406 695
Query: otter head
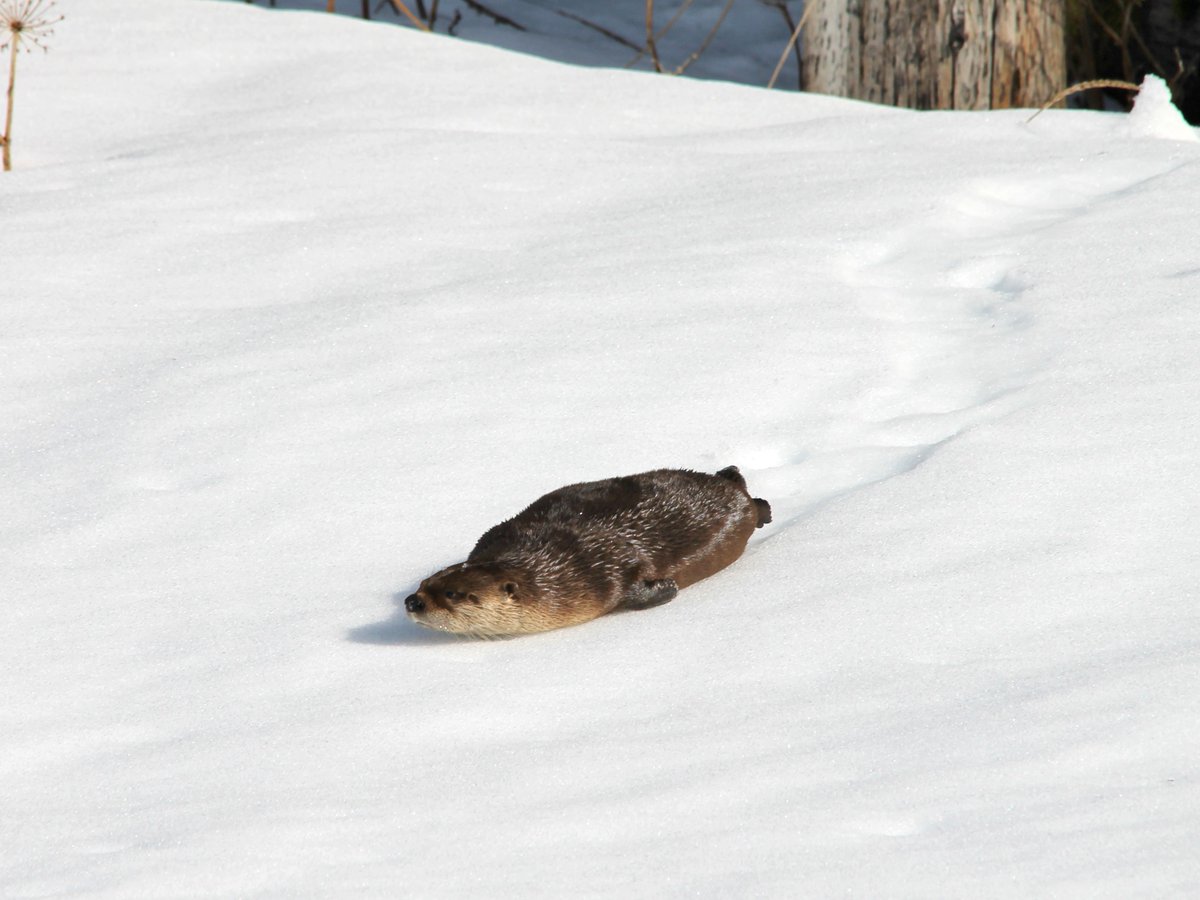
481 599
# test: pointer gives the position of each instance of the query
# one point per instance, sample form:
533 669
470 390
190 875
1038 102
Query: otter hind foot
734 474
645 594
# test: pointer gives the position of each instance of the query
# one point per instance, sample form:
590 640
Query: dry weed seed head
21 21
26 21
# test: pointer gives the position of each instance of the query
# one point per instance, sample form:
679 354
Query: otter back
589 548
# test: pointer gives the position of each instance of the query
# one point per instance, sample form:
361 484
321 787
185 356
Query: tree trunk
937 54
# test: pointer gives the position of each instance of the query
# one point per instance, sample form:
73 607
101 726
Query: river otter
586 549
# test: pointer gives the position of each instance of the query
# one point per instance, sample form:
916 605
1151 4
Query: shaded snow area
733 40
296 306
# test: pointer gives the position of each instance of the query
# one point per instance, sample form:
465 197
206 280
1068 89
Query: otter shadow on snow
399 630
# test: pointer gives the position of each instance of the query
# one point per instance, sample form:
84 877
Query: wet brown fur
586 549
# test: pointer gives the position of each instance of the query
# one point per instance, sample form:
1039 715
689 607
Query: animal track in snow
943 298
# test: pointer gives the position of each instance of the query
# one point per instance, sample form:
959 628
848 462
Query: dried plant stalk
27 22
808 8
5 150
641 51
651 46
1085 86
399 6
682 67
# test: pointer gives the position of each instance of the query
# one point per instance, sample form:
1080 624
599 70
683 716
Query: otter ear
510 588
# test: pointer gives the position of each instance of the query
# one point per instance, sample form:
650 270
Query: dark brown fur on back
588 548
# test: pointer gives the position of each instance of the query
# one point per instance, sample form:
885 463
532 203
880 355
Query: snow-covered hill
295 306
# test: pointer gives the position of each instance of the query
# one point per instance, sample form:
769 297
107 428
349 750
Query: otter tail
731 473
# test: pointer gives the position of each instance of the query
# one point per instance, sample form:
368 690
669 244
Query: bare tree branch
809 6
399 6
650 45
493 15
707 40
661 33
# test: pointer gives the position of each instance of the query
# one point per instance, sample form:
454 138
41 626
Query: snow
296 306
1154 115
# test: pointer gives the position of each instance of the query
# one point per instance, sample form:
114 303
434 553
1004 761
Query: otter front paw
645 594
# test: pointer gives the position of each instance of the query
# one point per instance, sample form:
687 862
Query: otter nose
413 603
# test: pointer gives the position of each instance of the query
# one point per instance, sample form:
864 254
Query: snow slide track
945 294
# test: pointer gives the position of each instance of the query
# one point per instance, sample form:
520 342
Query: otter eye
454 596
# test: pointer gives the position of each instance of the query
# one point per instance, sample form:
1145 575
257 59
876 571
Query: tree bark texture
937 54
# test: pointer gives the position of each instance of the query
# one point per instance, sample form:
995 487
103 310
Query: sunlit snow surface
295 306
